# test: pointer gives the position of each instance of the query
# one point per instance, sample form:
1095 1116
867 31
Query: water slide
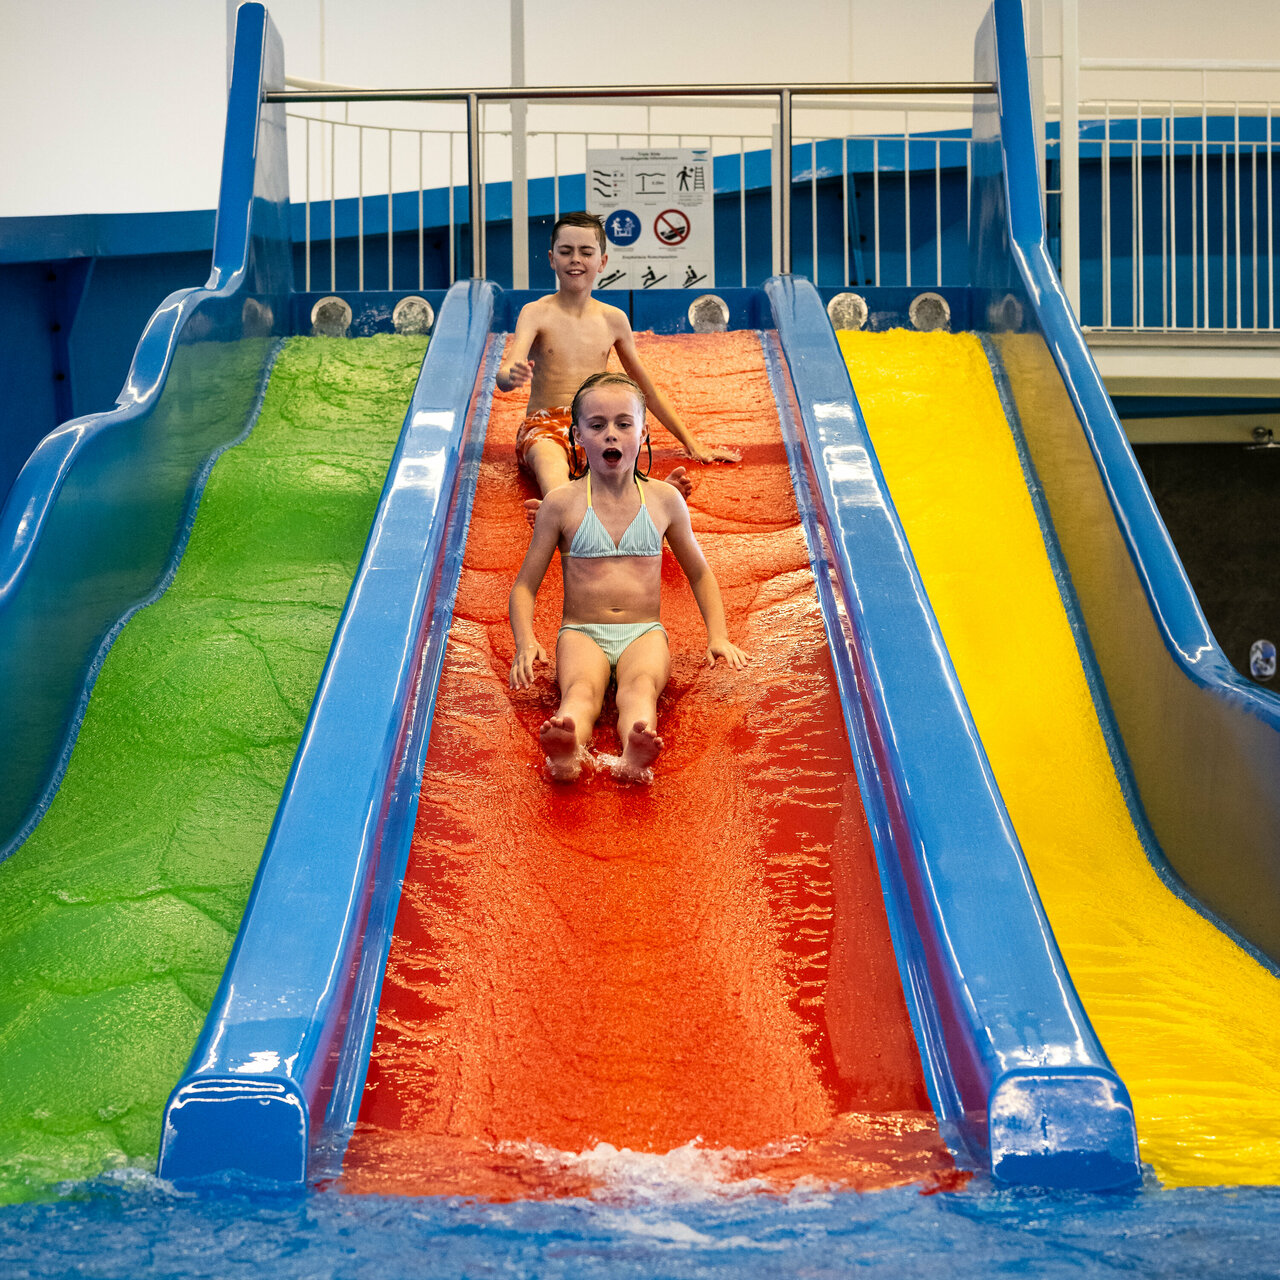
528 1031
122 902
1139 768
585 977
573 976
1185 1007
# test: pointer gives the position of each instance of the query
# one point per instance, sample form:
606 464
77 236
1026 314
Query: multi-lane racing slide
706 966
710 966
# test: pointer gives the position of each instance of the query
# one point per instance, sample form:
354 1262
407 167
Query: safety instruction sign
659 217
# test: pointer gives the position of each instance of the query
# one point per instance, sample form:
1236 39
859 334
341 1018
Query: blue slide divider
279 1067
1200 741
1017 1076
98 517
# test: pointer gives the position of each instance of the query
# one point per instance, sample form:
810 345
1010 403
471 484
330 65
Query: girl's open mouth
613 455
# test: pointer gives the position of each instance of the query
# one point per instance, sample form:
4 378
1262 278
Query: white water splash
685 1174
642 777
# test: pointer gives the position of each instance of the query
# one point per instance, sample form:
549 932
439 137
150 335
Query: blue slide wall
1017 1077
98 516
1201 743
280 1064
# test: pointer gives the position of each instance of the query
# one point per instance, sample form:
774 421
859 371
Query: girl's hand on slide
733 656
526 659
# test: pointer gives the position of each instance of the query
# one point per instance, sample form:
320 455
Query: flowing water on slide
600 987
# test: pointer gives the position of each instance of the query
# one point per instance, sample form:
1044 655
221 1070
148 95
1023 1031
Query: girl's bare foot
559 739
531 506
641 749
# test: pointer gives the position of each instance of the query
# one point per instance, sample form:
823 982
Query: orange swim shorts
546 424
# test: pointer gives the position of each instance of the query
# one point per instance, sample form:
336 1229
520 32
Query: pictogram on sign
622 227
672 226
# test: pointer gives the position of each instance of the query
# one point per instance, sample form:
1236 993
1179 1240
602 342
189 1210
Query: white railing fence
860 210
1161 185
877 193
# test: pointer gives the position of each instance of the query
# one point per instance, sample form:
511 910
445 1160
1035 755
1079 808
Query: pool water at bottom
141 1227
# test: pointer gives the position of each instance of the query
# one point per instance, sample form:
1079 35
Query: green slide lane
118 914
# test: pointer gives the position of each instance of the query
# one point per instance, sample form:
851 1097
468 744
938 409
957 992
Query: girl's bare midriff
621 589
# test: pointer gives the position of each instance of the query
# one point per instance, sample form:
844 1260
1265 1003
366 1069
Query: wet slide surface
118 914
1187 1017
601 984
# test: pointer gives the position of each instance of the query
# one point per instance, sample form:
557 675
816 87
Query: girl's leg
642 675
582 671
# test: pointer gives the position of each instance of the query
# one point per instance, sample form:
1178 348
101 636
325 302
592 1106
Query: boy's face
611 429
576 258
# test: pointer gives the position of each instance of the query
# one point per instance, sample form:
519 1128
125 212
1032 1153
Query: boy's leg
643 668
582 671
549 463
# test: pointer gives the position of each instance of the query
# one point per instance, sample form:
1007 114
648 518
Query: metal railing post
519 156
1035 69
784 181
1069 154
475 187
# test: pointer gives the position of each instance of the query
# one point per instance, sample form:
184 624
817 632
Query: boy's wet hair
610 378
592 221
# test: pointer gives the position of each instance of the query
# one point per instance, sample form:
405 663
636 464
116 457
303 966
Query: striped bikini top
592 540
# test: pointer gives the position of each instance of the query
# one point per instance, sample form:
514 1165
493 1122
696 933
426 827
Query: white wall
119 107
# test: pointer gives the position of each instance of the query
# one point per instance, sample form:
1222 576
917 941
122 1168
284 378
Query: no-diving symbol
671 226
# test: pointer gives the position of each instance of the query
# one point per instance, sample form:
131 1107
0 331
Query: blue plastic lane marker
924 1020
345 1107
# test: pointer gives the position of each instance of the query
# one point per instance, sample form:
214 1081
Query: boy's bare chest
584 345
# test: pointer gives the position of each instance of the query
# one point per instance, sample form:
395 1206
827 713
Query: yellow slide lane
1189 1020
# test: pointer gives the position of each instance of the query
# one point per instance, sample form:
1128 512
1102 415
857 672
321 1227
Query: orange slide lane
701 967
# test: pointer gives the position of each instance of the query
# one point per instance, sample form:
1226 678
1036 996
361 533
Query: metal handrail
512 93
544 93
1174 64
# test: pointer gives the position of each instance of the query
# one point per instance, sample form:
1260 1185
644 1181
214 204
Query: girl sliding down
609 524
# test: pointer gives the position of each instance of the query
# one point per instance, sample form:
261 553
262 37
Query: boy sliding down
609 525
559 341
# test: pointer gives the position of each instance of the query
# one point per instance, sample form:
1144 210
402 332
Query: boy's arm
546 534
625 344
517 369
706 590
